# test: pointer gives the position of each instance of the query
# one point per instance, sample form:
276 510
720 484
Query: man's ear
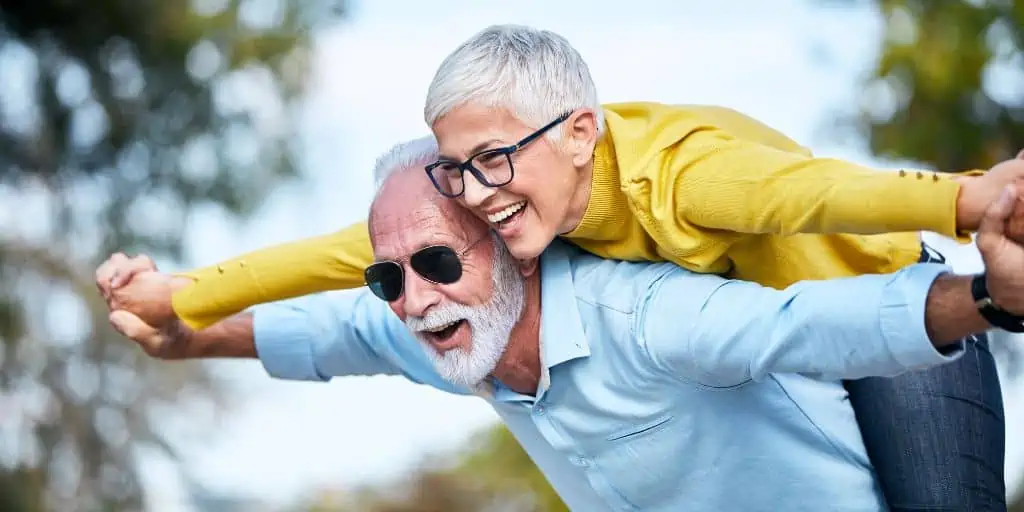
528 267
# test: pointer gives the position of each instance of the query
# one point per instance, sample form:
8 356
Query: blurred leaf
947 88
491 474
119 120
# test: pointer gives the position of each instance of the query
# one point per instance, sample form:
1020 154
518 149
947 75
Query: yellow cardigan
705 187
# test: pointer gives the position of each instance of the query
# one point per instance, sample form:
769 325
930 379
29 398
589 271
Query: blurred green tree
492 473
947 87
120 119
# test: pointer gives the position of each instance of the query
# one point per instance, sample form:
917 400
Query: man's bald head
407 198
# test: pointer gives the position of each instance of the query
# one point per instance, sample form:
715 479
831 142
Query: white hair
491 324
405 155
535 74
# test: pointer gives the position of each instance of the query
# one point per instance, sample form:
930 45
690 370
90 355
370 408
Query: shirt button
580 461
539 410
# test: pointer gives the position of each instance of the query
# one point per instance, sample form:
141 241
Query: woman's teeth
511 210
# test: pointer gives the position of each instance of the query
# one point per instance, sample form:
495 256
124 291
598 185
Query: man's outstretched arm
232 337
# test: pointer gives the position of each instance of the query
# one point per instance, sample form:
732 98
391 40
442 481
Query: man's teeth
495 218
442 327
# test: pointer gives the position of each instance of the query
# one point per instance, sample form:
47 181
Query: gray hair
535 74
405 155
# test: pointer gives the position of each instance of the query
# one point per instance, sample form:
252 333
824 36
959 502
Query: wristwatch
993 314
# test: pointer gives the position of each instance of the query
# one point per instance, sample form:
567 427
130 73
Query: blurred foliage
491 474
120 120
947 87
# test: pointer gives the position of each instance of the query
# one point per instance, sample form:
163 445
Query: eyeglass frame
505 151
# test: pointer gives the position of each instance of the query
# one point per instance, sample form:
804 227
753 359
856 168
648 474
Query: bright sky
779 61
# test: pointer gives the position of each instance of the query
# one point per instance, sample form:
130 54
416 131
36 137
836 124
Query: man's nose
420 295
475 193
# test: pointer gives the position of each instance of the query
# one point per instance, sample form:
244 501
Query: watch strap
992 313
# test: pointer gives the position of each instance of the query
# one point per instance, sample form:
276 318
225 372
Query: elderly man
633 386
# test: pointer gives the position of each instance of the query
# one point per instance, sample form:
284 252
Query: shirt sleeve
722 333
327 335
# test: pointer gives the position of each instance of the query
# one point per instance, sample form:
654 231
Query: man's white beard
490 325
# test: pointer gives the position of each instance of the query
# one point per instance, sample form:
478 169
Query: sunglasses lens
438 264
385 280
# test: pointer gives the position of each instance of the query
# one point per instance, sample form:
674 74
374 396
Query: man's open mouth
443 332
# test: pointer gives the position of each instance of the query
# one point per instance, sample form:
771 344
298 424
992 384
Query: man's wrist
181 342
990 309
950 312
229 338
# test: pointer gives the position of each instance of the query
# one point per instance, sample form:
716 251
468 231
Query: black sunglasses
438 264
491 167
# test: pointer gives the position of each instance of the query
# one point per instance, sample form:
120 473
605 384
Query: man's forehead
395 236
419 216
400 227
408 214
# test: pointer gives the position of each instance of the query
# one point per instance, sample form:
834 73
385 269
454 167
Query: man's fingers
1015 224
131 326
993 225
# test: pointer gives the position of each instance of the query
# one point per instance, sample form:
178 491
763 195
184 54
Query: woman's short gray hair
535 74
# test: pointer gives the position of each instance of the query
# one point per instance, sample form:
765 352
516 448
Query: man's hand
1004 258
139 299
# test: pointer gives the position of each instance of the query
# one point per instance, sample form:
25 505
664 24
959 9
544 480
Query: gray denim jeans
937 437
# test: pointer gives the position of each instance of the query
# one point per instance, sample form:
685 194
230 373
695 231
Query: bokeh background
195 130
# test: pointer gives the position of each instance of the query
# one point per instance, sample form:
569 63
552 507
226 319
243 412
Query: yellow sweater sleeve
715 181
329 262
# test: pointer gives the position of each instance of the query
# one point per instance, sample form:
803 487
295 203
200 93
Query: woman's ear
582 131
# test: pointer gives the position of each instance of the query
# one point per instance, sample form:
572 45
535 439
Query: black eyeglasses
491 167
438 264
